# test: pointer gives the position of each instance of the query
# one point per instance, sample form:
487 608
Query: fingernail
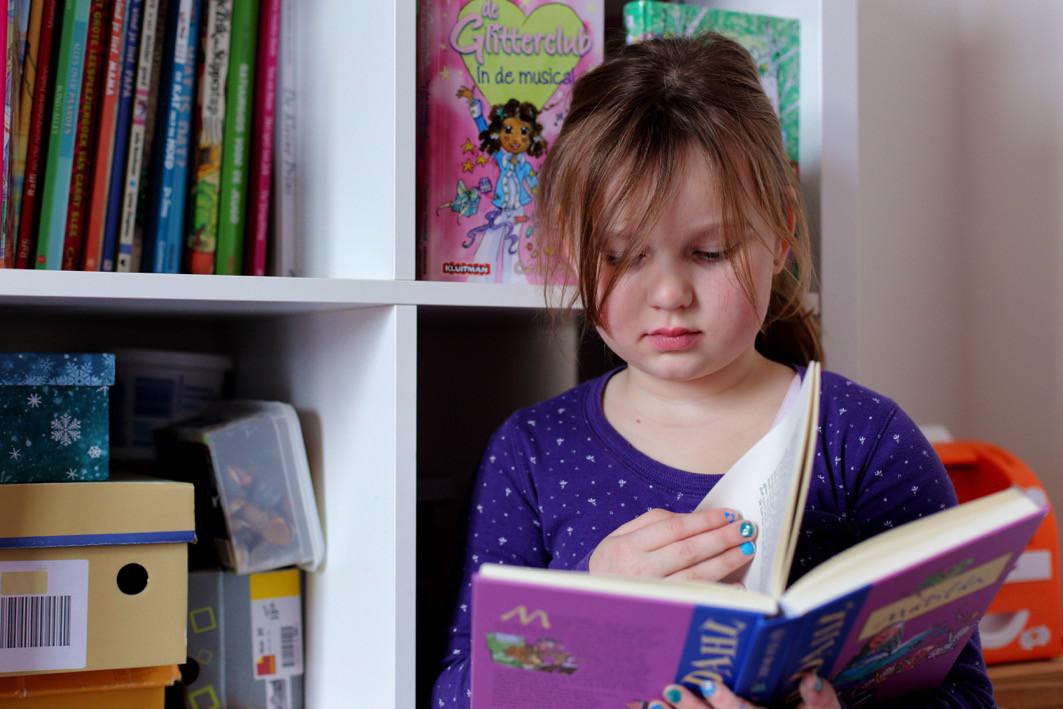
728 515
818 686
673 694
746 530
748 548
708 688
656 705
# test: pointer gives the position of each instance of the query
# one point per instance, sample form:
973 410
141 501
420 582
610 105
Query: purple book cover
494 86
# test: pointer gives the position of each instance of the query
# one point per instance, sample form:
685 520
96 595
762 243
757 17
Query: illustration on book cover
495 80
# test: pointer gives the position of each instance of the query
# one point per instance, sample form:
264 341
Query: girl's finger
817 694
719 566
647 517
681 698
677 527
718 696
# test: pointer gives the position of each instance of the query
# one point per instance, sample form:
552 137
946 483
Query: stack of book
142 136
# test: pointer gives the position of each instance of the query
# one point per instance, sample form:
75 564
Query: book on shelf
262 138
236 148
28 50
282 253
487 115
884 618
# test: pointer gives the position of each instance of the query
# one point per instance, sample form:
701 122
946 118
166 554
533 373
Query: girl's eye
509 129
613 259
523 131
710 256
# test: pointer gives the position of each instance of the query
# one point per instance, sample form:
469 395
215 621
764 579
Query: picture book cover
774 43
494 86
884 618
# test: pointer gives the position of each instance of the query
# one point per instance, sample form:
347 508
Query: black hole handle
132 579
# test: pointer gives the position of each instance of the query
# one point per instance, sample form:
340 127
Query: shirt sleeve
905 480
504 528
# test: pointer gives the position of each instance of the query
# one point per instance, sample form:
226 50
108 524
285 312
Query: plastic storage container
254 496
154 388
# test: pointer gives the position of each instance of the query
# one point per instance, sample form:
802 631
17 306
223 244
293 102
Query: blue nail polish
819 684
729 516
748 548
746 530
656 705
673 694
708 688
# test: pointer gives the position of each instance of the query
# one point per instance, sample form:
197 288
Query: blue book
164 238
63 134
121 135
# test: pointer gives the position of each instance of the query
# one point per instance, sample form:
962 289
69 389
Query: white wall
1011 229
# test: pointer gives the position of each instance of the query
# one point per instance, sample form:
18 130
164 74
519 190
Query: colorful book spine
81 175
9 34
282 253
209 131
165 238
236 149
262 138
149 49
63 135
42 71
108 128
116 187
25 110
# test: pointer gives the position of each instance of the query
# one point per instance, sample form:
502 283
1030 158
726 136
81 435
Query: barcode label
289 636
34 621
44 615
278 694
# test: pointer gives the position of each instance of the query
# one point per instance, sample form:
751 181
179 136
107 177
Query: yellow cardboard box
93 575
138 688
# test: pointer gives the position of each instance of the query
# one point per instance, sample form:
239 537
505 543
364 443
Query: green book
236 145
63 134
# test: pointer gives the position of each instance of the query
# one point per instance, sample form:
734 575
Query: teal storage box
53 416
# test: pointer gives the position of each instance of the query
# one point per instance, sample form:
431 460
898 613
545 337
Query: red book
262 137
81 177
42 91
104 149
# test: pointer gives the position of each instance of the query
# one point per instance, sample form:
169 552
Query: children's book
282 250
495 82
41 67
236 148
107 132
884 618
774 43
262 138
123 126
69 68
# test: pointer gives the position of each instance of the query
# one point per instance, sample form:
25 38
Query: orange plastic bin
1025 619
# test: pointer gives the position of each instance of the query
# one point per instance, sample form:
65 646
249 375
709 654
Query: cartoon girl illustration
513 135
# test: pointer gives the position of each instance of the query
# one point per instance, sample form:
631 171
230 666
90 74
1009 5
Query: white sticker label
278 693
277 637
44 609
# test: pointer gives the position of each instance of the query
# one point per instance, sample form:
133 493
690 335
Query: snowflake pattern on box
53 416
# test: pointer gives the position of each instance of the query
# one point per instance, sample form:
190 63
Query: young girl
669 191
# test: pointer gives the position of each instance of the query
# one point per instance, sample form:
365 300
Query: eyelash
699 254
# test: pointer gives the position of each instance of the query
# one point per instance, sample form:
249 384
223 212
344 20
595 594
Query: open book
886 617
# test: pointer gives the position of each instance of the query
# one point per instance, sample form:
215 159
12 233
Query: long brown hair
632 122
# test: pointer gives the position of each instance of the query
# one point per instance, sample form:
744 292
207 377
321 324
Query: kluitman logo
521 613
463 268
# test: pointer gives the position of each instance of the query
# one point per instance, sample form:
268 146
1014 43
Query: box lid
122 511
24 686
56 369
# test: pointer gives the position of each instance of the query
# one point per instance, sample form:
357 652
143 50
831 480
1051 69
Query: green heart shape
545 20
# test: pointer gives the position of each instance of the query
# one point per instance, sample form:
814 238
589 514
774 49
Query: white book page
759 486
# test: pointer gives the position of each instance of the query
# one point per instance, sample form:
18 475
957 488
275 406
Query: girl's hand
816 693
465 92
706 545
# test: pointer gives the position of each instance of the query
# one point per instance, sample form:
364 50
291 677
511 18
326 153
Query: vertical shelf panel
351 375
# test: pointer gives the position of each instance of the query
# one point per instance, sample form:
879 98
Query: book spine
27 86
262 138
814 644
282 258
149 39
759 674
116 188
9 34
63 134
38 133
170 190
209 131
101 179
77 212
237 146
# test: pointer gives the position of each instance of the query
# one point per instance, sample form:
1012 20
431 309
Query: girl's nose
669 288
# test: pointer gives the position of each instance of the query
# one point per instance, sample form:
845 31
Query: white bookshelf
377 364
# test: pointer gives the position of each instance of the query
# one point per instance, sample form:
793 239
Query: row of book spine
149 135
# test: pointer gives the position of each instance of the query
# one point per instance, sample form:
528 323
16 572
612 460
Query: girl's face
680 312
515 136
